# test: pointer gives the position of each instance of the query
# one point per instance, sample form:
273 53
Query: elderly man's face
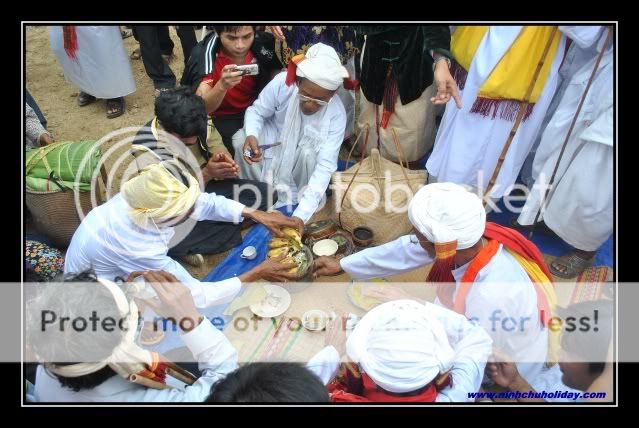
309 92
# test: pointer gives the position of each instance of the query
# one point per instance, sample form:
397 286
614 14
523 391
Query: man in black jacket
404 73
227 93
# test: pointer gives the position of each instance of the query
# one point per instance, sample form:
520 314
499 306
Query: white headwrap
127 358
447 212
322 66
401 346
156 194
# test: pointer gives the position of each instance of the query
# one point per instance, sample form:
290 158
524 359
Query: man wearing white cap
406 351
484 271
132 231
299 110
104 363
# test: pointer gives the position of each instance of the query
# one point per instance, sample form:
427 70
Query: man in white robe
309 122
131 232
444 214
403 346
468 144
580 206
96 366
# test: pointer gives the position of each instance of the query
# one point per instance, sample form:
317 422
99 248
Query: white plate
325 247
276 303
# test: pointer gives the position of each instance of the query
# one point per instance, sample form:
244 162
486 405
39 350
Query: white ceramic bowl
325 247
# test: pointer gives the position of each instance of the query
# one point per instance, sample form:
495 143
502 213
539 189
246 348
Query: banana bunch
290 246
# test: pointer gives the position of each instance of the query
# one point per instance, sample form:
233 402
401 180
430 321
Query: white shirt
472 346
502 290
265 120
112 245
215 354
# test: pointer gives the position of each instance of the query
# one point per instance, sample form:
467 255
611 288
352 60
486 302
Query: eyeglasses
304 98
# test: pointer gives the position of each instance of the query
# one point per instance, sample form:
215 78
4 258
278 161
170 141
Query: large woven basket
373 172
55 214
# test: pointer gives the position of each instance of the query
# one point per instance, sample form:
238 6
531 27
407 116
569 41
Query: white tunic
580 209
468 144
112 245
313 166
472 346
102 66
502 291
215 355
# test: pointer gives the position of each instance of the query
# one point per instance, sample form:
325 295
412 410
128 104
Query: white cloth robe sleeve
325 166
583 35
267 103
325 363
213 351
392 258
205 294
209 206
472 347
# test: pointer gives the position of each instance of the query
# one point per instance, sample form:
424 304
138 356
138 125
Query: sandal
115 107
85 99
572 265
136 54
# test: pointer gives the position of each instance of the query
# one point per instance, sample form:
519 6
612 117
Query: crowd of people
479 107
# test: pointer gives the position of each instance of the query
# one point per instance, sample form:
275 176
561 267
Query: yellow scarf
156 194
512 76
538 277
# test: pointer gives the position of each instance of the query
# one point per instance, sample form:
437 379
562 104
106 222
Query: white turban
322 66
447 212
127 358
156 194
401 345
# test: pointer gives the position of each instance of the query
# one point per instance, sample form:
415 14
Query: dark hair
182 112
269 383
89 381
79 300
586 342
231 28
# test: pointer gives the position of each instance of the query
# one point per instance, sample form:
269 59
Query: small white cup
315 320
249 253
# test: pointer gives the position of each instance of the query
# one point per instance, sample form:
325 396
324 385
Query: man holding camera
237 69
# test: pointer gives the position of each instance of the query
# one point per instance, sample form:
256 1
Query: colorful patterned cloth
42 261
300 38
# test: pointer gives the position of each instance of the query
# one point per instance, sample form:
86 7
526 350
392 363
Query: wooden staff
141 380
520 115
179 373
544 200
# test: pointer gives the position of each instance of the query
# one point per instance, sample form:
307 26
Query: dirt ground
57 98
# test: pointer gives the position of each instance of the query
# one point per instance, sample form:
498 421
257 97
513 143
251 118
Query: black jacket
408 49
202 59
